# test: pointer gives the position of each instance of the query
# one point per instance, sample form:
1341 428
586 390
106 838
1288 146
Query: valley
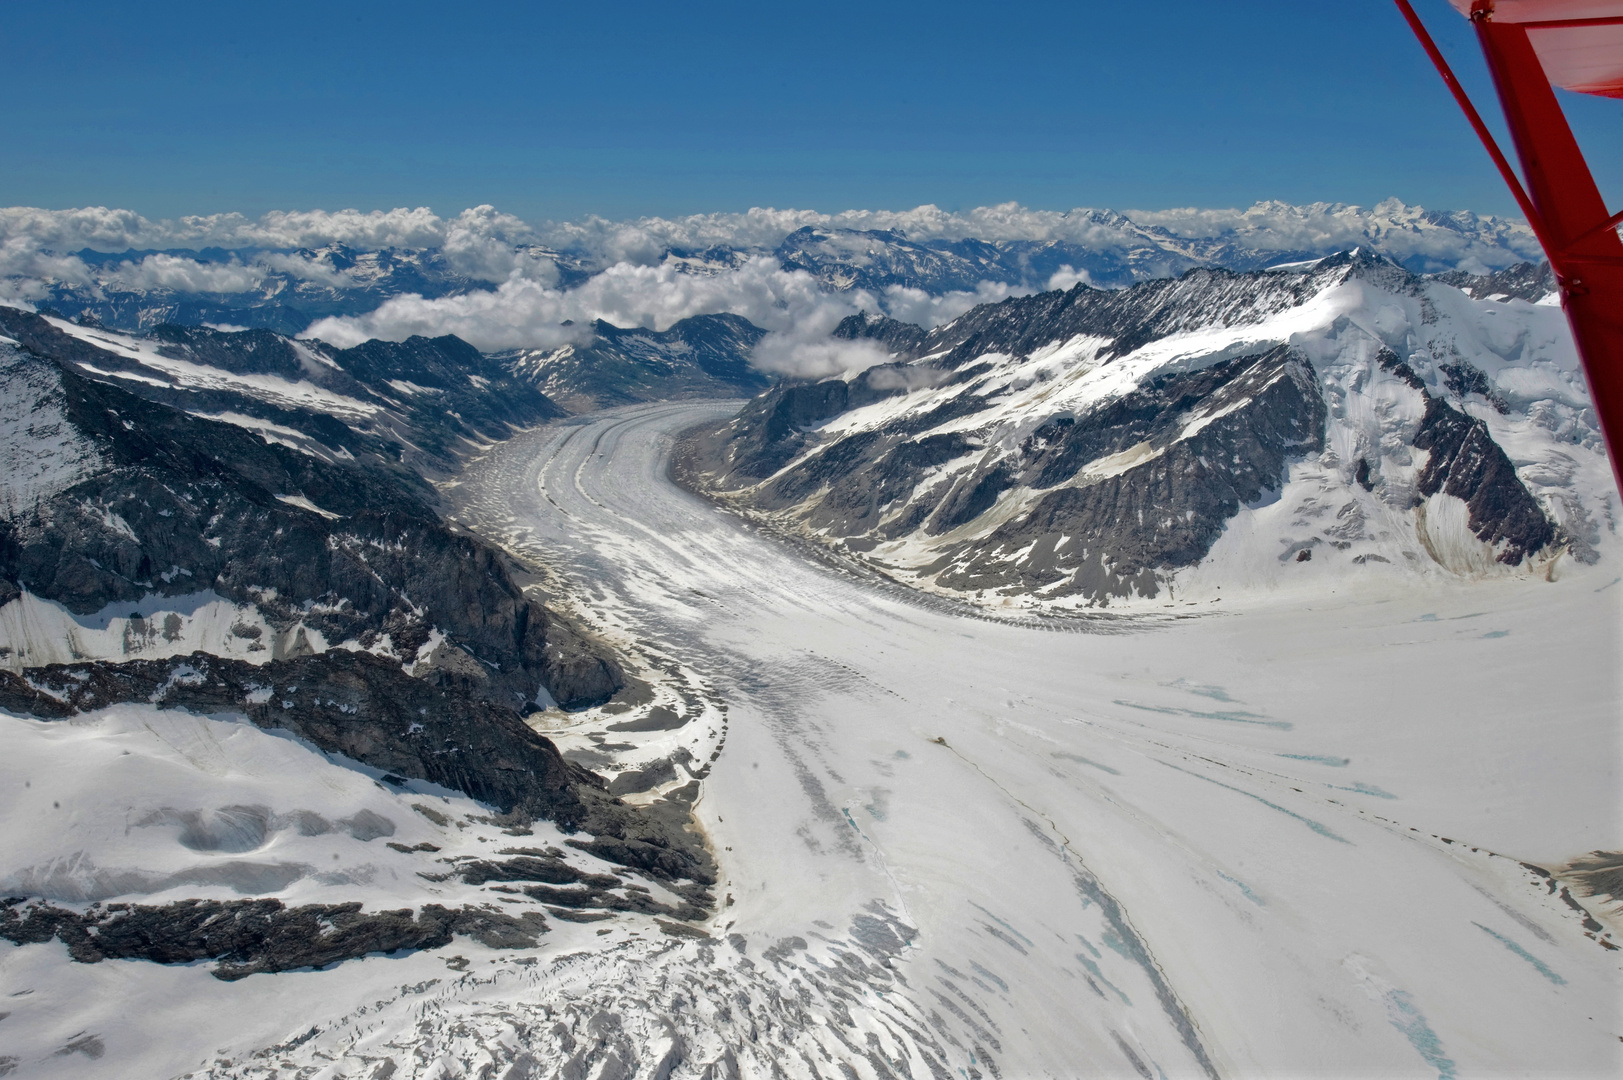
1210 677
1260 843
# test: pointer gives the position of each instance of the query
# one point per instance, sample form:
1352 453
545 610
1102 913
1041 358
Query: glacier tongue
1311 840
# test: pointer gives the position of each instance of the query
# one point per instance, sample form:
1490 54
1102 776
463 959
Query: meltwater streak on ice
828 676
770 614
1140 919
745 575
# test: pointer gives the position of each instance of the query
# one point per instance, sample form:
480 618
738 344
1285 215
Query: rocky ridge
296 573
420 402
1095 447
698 357
171 506
251 936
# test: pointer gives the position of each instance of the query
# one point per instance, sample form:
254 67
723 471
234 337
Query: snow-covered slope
41 452
1334 422
1345 837
420 400
136 529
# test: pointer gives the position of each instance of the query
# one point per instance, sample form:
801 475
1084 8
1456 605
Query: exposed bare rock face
169 504
1094 447
1463 461
251 936
225 524
1523 281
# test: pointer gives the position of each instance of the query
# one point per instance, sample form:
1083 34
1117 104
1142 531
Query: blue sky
622 109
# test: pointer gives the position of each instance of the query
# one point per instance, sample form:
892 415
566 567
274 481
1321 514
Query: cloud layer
39 247
483 238
634 284
1397 229
792 304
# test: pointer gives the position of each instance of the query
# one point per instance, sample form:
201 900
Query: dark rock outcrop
178 504
246 937
544 873
1109 491
1465 462
777 426
697 357
367 709
1524 281
343 702
1105 536
446 389
897 337
1118 529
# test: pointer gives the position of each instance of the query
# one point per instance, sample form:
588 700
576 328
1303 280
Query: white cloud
1390 226
304 268
185 275
636 288
491 246
102 229
372 229
480 242
525 312
522 313
917 306
1068 277
25 268
645 239
94 227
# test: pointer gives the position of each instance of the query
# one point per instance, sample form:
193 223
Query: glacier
1326 832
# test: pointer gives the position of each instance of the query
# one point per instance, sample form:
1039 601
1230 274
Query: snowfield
198 377
1280 835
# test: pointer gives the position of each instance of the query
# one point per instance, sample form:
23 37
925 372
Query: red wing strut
1531 46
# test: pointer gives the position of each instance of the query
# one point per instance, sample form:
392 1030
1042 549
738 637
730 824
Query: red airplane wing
1531 46
1579 42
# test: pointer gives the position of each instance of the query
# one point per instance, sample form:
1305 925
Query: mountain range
700 356
239 523
1149 445
257 278
206 522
